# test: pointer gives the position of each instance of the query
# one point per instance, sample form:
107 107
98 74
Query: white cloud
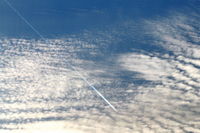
150 68
39 88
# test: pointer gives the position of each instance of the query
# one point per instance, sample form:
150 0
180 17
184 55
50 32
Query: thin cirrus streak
73 67
157 88
168 100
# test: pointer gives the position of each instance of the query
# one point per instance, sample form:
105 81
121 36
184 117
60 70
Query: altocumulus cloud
153 91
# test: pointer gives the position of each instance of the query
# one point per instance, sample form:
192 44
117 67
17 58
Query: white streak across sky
155 90
43 39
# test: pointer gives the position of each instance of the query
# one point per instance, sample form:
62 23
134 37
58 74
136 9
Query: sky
142 56
58 18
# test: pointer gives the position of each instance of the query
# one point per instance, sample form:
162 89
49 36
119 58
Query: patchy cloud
153 91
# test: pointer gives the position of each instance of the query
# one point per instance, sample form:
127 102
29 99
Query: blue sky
57 18
143 56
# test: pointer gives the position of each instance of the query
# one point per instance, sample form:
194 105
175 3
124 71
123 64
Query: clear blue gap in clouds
57 18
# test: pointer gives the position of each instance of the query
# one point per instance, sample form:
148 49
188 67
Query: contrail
25 20
73 67
95 90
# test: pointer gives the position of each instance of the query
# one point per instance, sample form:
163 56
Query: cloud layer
154 90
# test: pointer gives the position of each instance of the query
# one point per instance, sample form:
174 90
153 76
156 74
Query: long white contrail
73 67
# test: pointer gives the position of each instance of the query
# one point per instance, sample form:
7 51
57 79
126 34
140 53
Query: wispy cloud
153 91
